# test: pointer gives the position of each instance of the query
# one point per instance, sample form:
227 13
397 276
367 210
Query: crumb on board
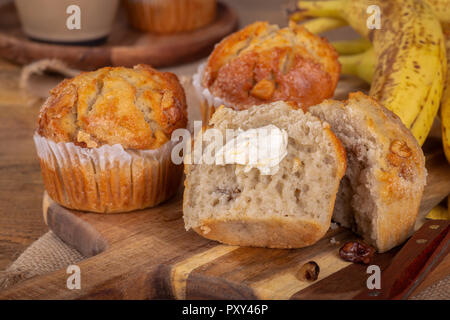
334 241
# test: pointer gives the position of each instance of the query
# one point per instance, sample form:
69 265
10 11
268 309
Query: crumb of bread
334 241
205 229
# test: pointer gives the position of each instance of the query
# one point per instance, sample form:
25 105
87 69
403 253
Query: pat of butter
262 148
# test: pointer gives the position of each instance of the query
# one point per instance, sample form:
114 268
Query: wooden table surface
20 179
21 187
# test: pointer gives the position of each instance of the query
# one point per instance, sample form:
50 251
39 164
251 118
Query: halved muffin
289 207
103 139
380 194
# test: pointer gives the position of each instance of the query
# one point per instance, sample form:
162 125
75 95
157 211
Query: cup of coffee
67 21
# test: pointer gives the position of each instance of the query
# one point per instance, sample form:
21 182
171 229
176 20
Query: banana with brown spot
411 64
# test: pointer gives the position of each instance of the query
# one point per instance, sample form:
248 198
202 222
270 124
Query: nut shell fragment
309 271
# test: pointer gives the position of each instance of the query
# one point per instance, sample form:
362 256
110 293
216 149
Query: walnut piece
230 194
400 148
398 157
357 252
264 89
309 271
296 165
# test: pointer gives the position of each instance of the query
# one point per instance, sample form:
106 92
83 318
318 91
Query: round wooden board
124 47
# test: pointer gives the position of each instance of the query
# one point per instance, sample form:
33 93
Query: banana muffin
263 63
289 207
380 194
103 139
170 16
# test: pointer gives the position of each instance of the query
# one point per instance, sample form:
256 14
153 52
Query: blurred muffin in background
263 63
170 16
103 139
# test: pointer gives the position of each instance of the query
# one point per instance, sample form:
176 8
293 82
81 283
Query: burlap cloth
49 253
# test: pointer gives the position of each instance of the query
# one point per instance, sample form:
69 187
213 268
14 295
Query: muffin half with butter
271 183
103 139
263 63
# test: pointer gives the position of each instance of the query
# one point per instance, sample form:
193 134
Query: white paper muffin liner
109 178
208 102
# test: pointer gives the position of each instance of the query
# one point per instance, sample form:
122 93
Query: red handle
420 255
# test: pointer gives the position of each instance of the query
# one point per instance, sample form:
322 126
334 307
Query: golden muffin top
263 63
138 108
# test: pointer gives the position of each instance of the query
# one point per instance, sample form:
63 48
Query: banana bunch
445 112
334 9
445 104
406 62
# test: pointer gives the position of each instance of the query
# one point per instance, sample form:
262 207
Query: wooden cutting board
149 255
124 47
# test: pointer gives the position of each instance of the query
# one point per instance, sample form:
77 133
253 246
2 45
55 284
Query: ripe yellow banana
361 64
445 106
310 9
441 9
438 213
410 53
333 9
345 47
323 24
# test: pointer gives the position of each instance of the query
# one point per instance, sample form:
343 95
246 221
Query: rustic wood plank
345 283
265 273
129 268
20 179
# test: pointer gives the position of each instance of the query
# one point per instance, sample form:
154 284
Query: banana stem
319 25
351 46
308 9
